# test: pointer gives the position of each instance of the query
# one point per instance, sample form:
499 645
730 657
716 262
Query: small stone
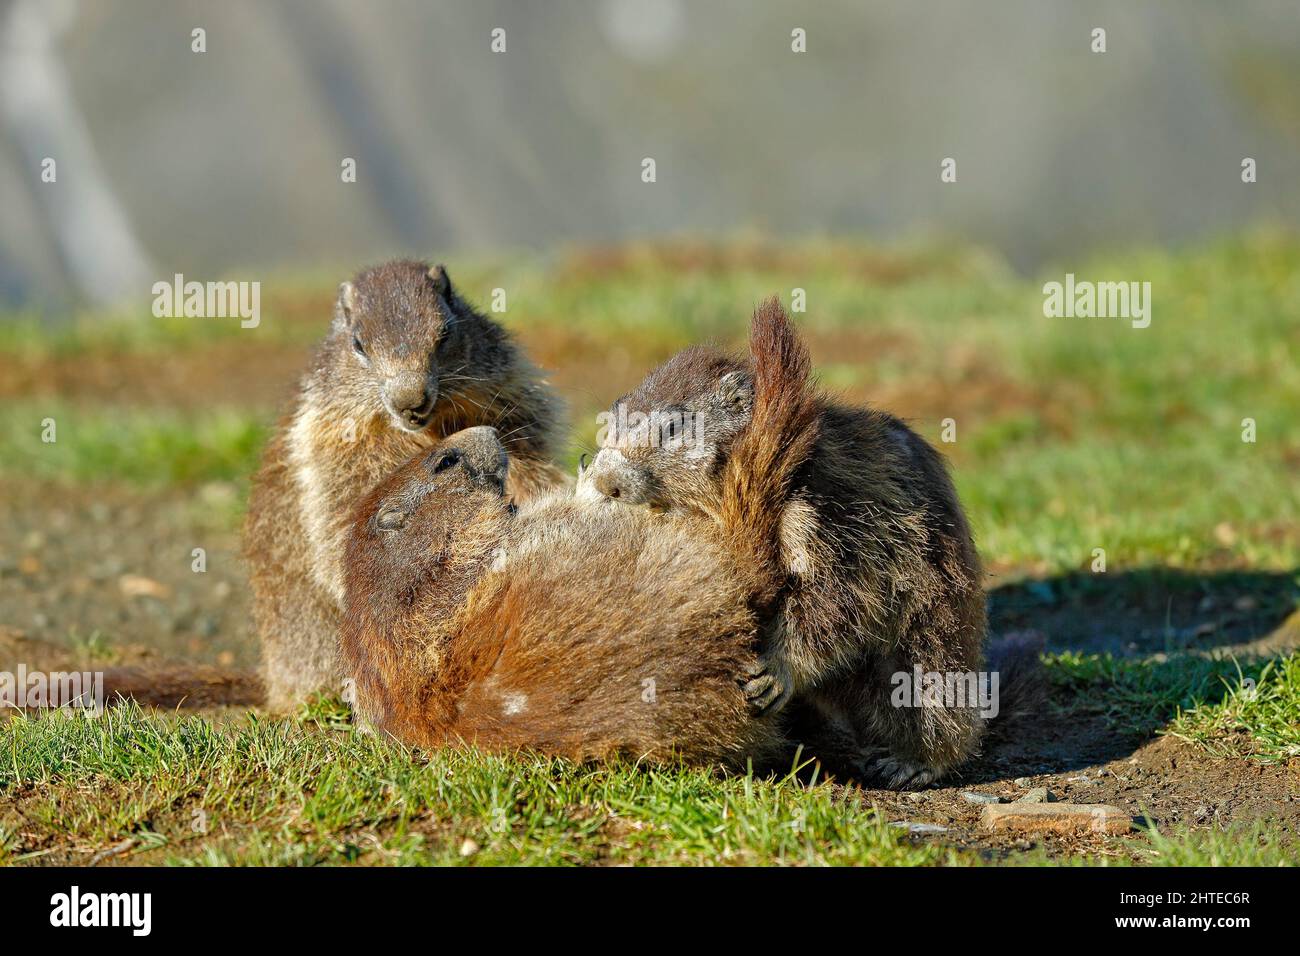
1081 780
1056 818
1021 781
919 828
469 847
916 796
1038 795
135 585
972 797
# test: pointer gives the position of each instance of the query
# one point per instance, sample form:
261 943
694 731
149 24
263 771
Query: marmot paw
766 685
883 769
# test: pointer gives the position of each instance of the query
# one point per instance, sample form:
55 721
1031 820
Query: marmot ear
391 519
346 304
441 281
736 391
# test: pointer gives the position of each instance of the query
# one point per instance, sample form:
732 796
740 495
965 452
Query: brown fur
881 572
581 630
420 343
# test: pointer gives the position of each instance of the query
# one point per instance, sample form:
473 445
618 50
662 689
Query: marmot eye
449 460
357 346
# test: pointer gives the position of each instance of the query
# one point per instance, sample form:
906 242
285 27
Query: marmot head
398 329
664 443
435 521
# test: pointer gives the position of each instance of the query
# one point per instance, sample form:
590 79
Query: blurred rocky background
227 162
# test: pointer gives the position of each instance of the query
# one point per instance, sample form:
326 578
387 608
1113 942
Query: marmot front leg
295 661
908 740
767 682
876 766
766 685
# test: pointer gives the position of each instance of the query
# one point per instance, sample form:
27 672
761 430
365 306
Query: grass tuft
1257 717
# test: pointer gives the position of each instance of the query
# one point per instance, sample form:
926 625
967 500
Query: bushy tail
769 452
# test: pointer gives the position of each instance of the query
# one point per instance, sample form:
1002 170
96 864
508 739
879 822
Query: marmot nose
484 456
416 409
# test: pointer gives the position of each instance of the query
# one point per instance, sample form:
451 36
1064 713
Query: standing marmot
578 630
883 576
406 362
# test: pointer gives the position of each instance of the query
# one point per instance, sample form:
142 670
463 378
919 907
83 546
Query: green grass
1140 695
148 447
1258 718
264 791
1073 434
1227 707
254 791
1254 845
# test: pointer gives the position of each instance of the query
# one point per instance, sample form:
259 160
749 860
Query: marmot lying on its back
587 632
881 573
406 362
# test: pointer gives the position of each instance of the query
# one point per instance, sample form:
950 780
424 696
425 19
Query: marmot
577 630
882 575
406 362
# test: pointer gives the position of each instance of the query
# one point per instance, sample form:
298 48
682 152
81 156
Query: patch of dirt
593 368
1164 781
231 373
109 572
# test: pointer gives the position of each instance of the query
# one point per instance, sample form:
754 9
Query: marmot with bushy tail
881 576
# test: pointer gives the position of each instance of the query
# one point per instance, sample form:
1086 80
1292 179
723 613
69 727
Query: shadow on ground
1153 610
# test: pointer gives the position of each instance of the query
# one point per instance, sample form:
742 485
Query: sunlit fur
573 627
881 571
342 436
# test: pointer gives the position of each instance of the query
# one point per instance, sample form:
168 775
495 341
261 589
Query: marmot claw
894 773
766 687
